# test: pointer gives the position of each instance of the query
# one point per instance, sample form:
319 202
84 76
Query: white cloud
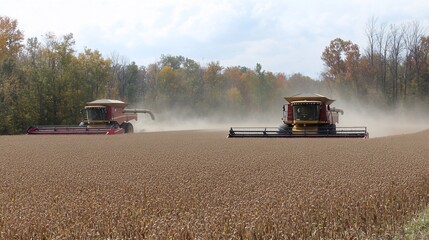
284 36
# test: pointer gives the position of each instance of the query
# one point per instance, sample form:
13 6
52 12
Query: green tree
128 83
95 69
11 93
266 87
175 62
55 76
194 83
11 77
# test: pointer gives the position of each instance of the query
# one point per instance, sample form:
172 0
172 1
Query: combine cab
305 116
103 116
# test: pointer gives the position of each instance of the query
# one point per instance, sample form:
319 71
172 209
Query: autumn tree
238 89
11 38
392 67
342 61
213 84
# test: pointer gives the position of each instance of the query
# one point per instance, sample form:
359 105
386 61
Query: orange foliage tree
342 60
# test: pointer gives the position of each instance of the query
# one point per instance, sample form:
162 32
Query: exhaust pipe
135 111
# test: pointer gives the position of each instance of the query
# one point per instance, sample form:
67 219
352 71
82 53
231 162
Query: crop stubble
200 185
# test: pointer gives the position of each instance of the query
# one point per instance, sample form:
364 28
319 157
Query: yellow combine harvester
305 115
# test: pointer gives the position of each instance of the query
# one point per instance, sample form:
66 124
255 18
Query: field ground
201 185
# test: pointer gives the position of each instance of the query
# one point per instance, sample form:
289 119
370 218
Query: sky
283 36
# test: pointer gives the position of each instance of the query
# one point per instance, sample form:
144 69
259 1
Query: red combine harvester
104 116
305 115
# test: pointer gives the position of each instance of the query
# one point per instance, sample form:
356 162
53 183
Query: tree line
392 70
46 81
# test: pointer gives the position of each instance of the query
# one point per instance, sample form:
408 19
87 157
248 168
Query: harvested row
196 184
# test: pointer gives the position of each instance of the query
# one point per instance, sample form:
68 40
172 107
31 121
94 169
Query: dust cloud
379 122
177 121
383 122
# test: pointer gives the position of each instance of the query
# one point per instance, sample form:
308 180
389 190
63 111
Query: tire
129 128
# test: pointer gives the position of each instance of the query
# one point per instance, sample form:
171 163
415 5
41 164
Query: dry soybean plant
199 185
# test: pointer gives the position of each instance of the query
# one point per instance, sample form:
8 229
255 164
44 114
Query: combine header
104 116
305 116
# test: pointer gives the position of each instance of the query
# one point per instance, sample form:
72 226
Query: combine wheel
128 127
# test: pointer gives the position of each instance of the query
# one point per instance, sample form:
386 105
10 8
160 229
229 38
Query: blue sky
283 36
